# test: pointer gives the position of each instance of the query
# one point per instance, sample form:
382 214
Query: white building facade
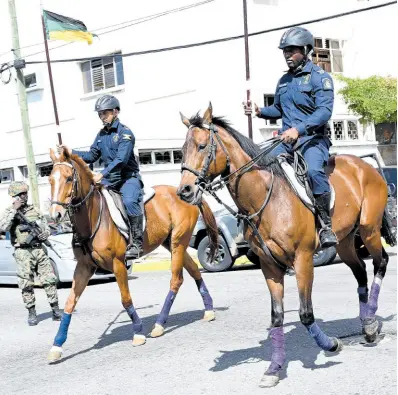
153 88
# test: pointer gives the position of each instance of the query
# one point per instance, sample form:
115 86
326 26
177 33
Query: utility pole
23 106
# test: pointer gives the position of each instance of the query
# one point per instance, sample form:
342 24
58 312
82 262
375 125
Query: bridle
72 208
203 179
75 188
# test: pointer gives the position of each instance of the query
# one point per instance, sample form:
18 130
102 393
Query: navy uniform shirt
304 101
115 147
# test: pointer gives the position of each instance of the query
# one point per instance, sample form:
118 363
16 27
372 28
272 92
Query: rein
73 208
205 185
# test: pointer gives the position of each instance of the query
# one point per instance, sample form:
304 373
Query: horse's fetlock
307 318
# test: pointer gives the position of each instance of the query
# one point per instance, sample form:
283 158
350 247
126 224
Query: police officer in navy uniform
114 145
304 100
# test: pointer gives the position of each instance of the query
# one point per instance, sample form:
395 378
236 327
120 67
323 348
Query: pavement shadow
121 333
300 346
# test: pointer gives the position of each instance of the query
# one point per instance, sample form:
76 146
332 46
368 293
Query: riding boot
135 249
32 317
326 235
57 315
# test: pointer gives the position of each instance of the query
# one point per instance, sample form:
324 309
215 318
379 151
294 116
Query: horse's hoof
157 330
55 354
210 315
370 331
269 381
339 345
139 340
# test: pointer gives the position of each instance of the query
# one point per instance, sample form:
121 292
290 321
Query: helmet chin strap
300 66
108 125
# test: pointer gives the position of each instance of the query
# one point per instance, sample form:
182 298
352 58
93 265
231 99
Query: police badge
306 79
327 84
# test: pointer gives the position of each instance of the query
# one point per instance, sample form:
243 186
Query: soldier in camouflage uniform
31 258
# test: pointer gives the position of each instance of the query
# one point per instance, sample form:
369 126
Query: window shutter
109 73
98 78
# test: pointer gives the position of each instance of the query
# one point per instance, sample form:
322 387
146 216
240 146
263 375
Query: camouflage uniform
30 259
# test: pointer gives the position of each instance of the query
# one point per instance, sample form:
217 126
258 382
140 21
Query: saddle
295 169
118 211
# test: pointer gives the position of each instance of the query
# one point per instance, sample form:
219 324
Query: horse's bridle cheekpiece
202 178
70 204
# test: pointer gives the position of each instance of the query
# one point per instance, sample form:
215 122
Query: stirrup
331 239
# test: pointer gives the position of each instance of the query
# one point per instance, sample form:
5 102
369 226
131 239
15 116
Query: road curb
165 265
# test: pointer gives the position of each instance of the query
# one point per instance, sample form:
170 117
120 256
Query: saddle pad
118 212
299 189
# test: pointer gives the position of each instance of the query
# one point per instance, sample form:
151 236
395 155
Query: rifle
31 227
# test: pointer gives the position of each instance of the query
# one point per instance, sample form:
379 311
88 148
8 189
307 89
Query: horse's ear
208 115
65 154
185 120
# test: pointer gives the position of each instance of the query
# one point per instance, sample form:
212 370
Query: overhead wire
220 40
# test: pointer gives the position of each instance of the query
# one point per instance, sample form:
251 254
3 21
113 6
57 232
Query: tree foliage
374 98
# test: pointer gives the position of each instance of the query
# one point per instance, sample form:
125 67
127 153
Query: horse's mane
83 167
266 162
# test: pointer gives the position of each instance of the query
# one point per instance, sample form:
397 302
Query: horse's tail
388 231
211 227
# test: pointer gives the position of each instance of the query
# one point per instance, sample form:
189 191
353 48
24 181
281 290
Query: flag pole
249 118
50 75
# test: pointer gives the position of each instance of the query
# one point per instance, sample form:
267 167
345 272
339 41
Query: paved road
227 356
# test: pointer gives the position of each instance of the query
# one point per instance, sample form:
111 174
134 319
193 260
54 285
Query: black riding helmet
107 102
297 37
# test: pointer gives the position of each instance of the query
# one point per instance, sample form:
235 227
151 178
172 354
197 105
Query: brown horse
99 244
287 228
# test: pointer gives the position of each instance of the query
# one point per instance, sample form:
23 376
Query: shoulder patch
126 137
327 84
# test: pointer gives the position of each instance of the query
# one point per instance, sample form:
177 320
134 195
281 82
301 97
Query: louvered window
102 73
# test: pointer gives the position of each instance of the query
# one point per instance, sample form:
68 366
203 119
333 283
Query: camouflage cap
17 187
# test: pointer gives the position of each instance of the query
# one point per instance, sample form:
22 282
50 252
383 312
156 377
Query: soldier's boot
135 247
326 235
57 315
32 317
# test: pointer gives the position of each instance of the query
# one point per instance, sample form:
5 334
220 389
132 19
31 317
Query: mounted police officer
31 256
304 100
114 145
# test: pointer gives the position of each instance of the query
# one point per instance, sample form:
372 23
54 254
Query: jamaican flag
59 27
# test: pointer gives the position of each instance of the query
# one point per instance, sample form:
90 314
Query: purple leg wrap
373 297
323 341
278 350
207 300
363 300
137 323
164 314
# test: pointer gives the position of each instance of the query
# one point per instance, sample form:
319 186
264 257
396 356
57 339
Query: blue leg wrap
62 333
164 314
137 323
207 299
323 341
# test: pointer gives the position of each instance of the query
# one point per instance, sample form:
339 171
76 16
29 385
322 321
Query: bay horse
99 244
287 228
